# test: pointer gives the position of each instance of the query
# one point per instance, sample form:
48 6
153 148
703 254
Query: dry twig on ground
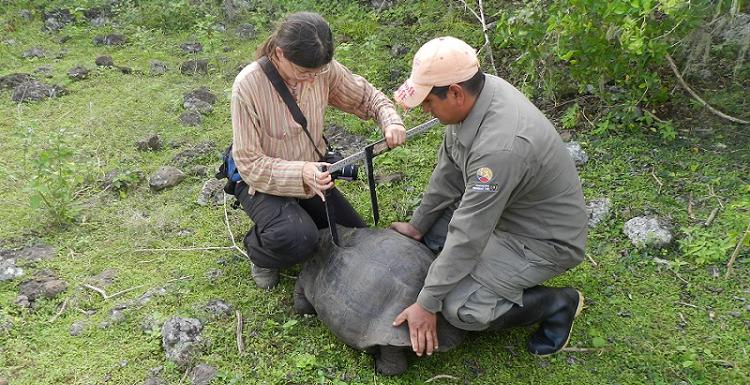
443 376
737 251
240 326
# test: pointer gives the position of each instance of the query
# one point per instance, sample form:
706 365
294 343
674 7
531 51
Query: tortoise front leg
390 360
301 304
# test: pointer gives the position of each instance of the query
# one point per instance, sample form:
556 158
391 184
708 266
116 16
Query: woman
282 189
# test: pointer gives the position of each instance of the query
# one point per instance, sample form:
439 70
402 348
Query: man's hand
395 135
422 328
407 229
316 180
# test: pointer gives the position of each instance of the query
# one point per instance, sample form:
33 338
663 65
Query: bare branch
187 249
443 376
711 217
96 289
737 251
584 350
695 95
240 325
105 296
687 304
593 262
229 229
62 309
480 17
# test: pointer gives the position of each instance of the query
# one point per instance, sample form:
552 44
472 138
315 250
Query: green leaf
289 324
598 342
35 201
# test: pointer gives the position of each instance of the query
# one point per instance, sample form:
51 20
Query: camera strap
371 182
275 78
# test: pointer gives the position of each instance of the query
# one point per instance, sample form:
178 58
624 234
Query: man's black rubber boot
554 308
554 332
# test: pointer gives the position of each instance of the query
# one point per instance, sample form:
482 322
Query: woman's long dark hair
305 38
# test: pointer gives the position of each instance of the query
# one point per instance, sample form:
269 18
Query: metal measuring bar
367 154
380 146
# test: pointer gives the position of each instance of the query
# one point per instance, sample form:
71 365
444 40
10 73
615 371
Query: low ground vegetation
113 115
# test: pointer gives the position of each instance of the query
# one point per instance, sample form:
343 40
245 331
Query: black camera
348 173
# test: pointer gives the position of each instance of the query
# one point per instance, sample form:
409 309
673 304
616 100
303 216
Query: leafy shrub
612 49
54 181
177 15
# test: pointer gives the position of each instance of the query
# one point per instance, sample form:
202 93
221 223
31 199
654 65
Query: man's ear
458 93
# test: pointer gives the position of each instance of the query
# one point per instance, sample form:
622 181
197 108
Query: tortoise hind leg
301 304
390 360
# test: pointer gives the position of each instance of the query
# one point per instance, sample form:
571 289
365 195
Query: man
504 206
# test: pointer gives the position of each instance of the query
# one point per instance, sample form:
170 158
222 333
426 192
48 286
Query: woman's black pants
286 228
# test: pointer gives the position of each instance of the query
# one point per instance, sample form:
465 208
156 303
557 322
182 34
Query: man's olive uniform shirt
515 181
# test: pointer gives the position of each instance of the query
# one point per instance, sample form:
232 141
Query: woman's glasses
309 74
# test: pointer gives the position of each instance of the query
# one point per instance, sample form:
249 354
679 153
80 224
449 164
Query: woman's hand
316 180
395 135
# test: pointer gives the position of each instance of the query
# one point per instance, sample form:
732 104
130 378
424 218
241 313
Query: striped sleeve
261 172
352 93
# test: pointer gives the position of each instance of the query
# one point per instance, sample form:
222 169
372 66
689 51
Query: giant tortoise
358 288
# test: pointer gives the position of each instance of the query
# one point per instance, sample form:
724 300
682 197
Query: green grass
649 322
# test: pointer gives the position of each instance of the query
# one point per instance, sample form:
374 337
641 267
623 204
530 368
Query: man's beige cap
439 62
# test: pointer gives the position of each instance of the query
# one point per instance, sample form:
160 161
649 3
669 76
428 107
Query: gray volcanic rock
25 14
245 31
165 177
218 308
191 47
152 143
598 210
111 39
104 61
181 339
44 284
8 270
34 52
77 328
98 16
202 374
201 94
233 9
648 231
45 70
34 253
576 153
198 105
212 193
195 67
57 19
78 73
158 68
198 152
399 50
9 82
35 91
191 118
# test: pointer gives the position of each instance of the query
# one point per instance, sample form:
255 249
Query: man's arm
473 222
491 179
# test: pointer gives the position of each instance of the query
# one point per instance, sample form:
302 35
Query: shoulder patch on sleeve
484 175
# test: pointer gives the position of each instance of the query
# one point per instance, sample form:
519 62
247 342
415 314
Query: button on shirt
270 148
509 169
